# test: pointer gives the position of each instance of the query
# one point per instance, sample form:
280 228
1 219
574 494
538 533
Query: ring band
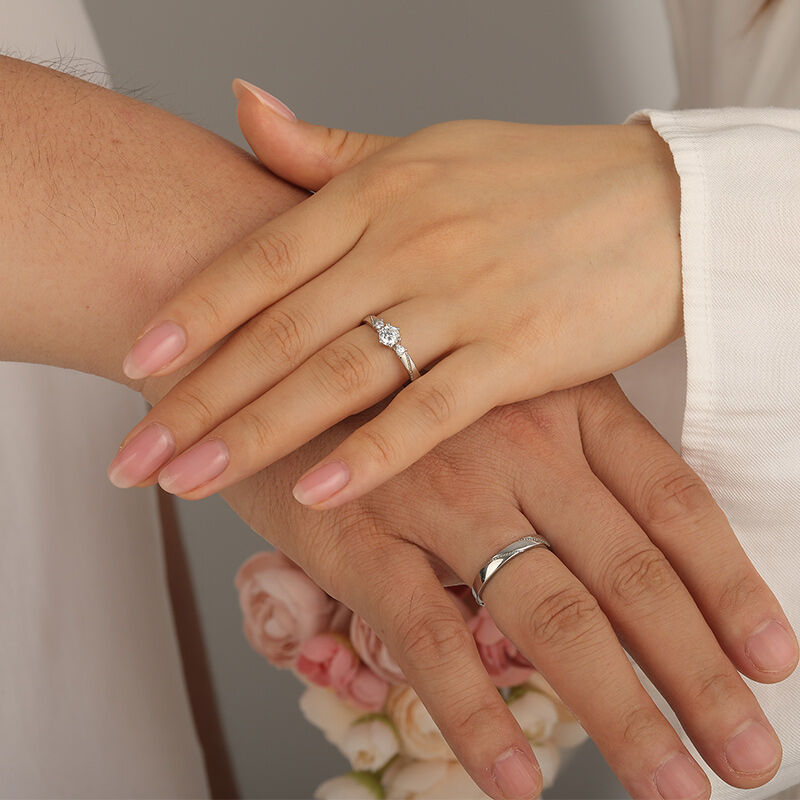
390 336
498 559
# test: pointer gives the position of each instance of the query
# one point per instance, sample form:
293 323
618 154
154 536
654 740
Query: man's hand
640 550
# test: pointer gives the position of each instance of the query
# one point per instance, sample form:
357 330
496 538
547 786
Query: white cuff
739 172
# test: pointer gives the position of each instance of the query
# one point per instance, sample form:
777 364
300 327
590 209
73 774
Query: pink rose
504 663
281 605
328 659
373 651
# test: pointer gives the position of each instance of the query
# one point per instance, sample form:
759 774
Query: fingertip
242 88
321 483
772 652
155 351
517 774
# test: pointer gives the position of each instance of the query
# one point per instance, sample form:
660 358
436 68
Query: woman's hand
640 551
515 259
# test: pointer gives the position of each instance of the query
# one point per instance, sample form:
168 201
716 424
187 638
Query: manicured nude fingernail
265 98
752 750
516 776
142 456
155 350
679 778
771 647
196 466
320 484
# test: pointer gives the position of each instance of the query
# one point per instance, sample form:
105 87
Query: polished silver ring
498 559
390 336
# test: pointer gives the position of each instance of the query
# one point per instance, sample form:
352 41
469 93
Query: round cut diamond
389 335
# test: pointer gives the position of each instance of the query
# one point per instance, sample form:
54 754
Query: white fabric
92 698
739 171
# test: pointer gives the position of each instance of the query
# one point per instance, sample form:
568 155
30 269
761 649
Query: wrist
122 192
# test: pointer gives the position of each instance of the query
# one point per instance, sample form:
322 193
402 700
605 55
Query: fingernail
680 778
142 456
754 749
154 350
320 484
196 466
265 98
516 776
770 647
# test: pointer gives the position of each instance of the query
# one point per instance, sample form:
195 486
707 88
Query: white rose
536 714
568 733
323 708
431 780
419 736
369 743
349 787
537 681
549 759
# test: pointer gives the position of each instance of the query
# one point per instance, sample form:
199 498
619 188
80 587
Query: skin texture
515 260
135 201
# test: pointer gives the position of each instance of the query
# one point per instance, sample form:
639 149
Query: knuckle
430 635
470 714
740 594
716 688
345 369
639 726
535 327
213 305
262 433
564 618
380 449
268 256
339 552
281 333
188 402
640 574
435 404
345 147
519 421
674 495
338 141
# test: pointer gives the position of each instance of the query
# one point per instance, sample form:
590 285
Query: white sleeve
739 172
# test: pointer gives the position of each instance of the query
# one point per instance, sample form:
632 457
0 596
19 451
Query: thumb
297 151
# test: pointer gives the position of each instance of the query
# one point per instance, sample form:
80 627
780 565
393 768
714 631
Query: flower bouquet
357 695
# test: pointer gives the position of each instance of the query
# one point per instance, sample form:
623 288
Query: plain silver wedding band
389 336
503 557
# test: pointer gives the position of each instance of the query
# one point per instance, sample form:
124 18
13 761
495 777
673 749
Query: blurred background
383 67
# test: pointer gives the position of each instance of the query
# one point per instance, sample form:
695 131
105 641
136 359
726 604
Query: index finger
405 604
253 273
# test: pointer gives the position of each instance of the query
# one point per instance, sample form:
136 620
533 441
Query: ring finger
348 375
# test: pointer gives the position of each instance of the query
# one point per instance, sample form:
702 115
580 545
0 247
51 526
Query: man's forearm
107 205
